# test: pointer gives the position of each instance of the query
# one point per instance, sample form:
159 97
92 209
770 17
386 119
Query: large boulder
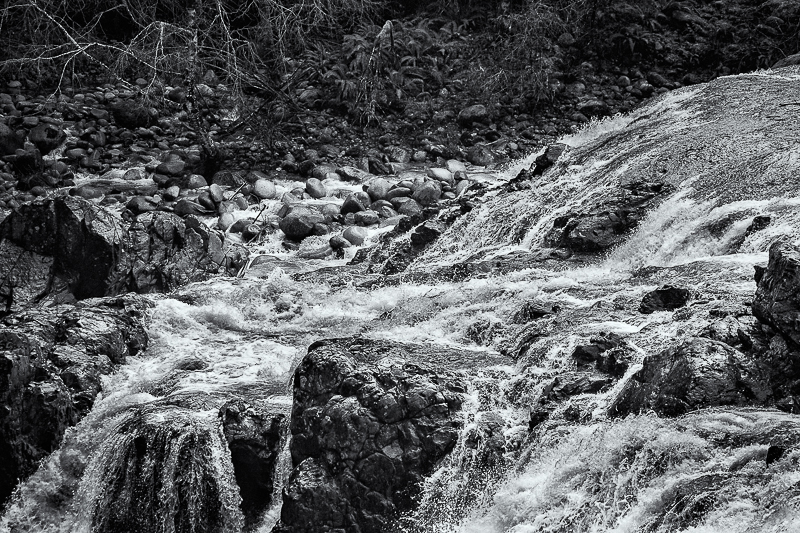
696 373
367 426
777 300
51 364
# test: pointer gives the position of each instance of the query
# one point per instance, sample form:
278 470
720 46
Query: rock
788 61
548 158
367 427
378 189
196 181
694 374
172 193
441 174
666 298
47 137
355 202
299 223
225 221
533 310
131 114
607 221
51 368
264 189
777 299
355 235
215 193
409 208
171 168
427 194
10 142
472 114
367 218
566 39
594 108
185 207
315 188
480 155
141 204
227 178
399 192
353 174
255 438
397 154
427 232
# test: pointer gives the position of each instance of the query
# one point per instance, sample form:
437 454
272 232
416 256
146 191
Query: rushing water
151 456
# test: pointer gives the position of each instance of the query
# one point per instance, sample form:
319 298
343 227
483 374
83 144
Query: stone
608 219
264 189
694 374
441 174
428 193
299 223
51 366
357 175
788 61
225 221
777 299
141 204
409 208
548 158
196 181
367 427
47 137
185 207
172 193
472 114
131 114
378 189
315 188
367 218
666 298
171 168
480 155
398 192
355 235
594 108
355 202
215 193
10 141
227 178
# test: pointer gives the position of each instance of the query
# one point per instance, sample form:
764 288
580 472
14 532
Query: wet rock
141 204
367 427
185 207
78 245
480 155
255 438
171 168
315 188
355 235
366 218
788 61
666 298
548 158
51 367
533 310
694 374
607 220
594 108
777 299
196 181
607 352
378 189
299 223
355 202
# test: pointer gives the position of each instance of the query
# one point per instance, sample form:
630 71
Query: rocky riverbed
598 336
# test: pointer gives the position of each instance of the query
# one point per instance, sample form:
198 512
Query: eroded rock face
255 439
51 364
71 247
696 373
777 300
367 426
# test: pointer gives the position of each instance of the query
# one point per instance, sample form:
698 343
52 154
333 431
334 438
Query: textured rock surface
51 364
777 300
696 373
74 249
367 426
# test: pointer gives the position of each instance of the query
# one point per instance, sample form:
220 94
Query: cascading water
157 452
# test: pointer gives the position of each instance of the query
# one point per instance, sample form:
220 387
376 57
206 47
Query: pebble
215 193
225 221
378 189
